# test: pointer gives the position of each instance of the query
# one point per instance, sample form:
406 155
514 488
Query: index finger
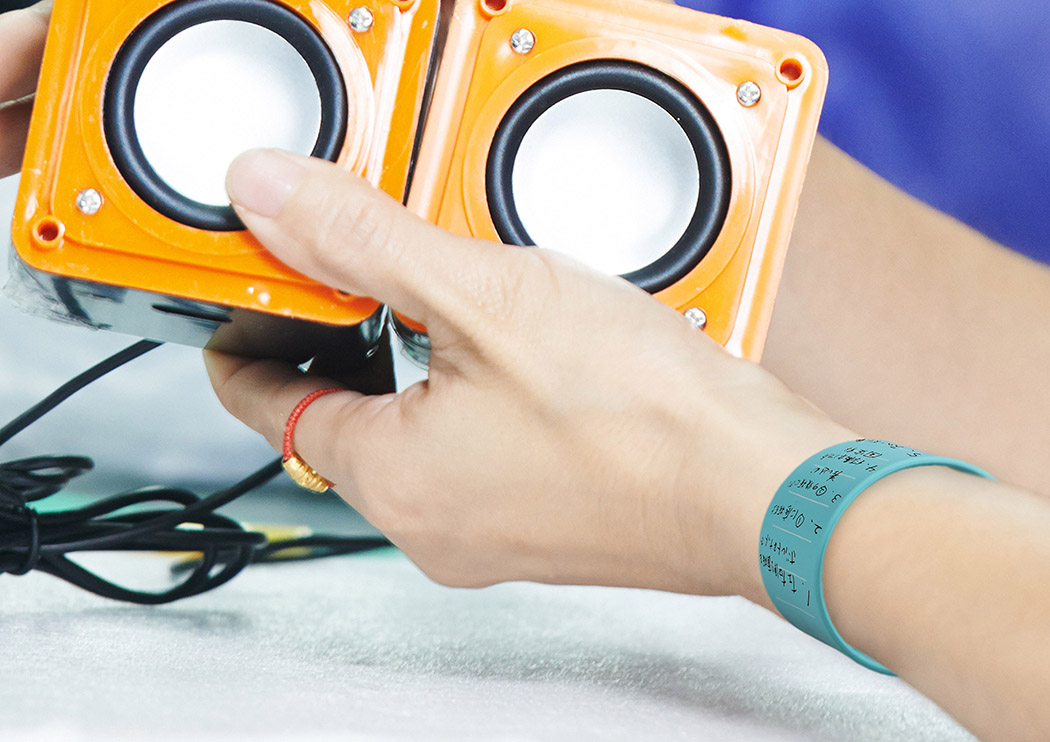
338 229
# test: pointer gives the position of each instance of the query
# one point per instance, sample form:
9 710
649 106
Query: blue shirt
947 99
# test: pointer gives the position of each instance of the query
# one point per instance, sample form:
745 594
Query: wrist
781 456
723 493
804 517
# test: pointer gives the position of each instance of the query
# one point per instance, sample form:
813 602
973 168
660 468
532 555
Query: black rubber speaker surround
712 157
136 52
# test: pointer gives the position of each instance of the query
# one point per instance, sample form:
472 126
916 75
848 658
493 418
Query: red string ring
303 474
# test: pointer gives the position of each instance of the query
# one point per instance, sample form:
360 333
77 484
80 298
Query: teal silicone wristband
802 516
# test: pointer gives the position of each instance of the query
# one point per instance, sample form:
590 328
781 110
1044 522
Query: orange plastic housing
128 244
428 86
769 143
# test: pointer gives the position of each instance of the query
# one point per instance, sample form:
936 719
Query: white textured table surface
366 648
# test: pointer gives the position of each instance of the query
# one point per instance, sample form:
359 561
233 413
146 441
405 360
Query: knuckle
367 224
345 224
518 275
533 277
505 289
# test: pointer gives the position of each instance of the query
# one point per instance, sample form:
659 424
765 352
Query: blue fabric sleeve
947 99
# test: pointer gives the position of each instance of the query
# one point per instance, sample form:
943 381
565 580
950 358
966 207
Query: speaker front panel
143 105
614 163
616 135
194 85
631 201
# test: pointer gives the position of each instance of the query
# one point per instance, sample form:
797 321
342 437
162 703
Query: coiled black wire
167 519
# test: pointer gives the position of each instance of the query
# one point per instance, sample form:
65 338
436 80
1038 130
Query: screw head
89 201
523 41
697 317
748 94
361 19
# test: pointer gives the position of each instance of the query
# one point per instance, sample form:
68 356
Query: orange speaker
122 221
654 142
651 141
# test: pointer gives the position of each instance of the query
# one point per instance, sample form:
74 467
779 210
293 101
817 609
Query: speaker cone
614 163
197 83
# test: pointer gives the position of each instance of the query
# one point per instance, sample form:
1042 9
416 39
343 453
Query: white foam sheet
366 648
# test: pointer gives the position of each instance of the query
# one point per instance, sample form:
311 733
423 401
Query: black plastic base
161 317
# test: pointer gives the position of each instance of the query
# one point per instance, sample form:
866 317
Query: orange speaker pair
655 142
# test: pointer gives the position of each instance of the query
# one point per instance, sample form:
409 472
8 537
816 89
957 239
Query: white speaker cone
215 90
608 177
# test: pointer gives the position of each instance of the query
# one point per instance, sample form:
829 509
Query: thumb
337 229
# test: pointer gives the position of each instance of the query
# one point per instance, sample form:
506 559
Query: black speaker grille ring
712 157
159 28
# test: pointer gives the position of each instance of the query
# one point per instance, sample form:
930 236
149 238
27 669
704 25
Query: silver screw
523 41
89 201
697 317
361 19
748 93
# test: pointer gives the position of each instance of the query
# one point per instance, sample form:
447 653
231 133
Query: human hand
22 35
572 430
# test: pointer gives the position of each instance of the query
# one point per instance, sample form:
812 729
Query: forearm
941 577
904 324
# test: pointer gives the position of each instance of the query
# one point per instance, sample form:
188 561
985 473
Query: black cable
304 548
73 386
164 519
